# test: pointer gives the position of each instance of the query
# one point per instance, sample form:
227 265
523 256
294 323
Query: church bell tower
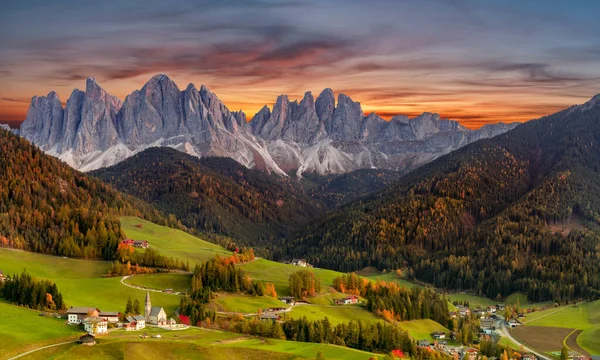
148 308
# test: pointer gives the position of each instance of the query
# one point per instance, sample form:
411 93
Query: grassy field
80 281
422 329
244 303
474 300
504 341
585 316
197 344
177 282
391 276
23 329
335 313
279 274
171 242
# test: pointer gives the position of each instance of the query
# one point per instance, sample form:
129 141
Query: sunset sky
474 61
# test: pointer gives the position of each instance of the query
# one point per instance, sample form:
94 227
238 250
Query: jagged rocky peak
44 122
310 134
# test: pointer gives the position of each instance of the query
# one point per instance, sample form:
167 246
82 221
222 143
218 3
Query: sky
474 61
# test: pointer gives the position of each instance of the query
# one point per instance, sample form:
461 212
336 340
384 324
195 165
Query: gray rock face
95 130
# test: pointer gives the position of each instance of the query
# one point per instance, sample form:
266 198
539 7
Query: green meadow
335 313
196 344
422 329
176 281
81 282
584 316
244 303
23 329
171 242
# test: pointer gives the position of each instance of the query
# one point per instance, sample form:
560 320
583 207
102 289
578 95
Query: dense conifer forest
215 194
519 212
47 207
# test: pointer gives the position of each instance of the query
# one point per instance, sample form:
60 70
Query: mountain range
324 136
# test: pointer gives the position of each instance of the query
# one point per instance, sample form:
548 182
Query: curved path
145 288
41 348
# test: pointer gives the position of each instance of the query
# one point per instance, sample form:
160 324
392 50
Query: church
155 315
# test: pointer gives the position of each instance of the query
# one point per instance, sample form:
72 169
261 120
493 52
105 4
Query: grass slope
177 282
171 242
197 344
80 281
422 329
335 313
244 303
23 329
585 316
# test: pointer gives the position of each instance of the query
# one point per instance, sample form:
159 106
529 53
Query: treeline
482 217
48 207
394 302
382 338
149 257
218 274
303 283
25 290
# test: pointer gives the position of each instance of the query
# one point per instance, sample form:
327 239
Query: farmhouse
76 315
487 326
270 317
128 242
438 335
154 315
491 309
288 300
137 322
141 244
500 307
423 343
348 300
512 323
2 277
171 322
463 310
110 316
300 262
95 325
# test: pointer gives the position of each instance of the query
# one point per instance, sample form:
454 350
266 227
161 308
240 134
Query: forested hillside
47 207
338 190
519 212
215 194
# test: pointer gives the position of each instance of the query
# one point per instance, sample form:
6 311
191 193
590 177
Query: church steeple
148 308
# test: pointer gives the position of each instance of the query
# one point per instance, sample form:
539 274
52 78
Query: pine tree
564 353
136 307
129 307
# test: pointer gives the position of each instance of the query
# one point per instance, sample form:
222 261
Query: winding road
506 333
41 348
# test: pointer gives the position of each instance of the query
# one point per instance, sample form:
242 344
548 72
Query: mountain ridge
96 129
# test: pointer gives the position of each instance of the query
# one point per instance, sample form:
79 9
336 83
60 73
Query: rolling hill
488 217
215 194
47 207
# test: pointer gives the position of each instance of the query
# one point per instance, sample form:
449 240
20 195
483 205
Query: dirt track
541 338
572 343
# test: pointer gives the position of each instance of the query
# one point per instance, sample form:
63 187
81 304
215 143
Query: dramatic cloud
478 62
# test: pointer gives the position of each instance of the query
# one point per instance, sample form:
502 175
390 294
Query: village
96 322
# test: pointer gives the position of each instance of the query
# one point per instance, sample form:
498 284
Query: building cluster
97 322
301 262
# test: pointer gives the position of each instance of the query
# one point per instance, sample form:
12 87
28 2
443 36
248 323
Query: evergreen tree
136 307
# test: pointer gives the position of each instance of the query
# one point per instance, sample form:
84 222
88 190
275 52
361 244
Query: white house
300 262
95 325
76 315
137 322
